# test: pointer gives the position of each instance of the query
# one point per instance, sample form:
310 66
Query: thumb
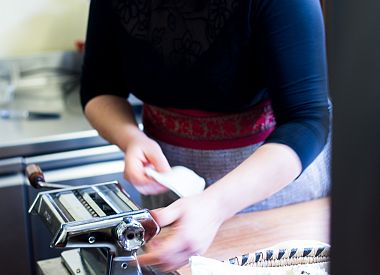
166 216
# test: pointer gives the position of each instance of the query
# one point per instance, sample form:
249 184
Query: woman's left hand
192 225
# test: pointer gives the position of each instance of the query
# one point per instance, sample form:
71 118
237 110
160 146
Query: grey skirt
212 165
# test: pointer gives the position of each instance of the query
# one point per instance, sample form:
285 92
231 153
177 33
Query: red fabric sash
209 130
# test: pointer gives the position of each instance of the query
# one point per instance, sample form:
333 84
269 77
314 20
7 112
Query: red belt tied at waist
209 130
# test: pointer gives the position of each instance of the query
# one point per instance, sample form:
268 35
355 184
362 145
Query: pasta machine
101 220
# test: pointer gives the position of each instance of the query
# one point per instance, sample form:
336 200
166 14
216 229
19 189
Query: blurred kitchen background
41 120
34 26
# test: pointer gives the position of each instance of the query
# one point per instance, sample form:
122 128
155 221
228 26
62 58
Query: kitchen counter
24 137
45 83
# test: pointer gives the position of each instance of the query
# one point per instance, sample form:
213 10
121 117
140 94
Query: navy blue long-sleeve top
215 55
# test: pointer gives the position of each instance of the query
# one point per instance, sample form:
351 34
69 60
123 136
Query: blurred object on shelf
24 114
9 76
79 45
6 92
40 82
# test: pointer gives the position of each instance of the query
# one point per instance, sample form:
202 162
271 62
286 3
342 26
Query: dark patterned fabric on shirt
178 30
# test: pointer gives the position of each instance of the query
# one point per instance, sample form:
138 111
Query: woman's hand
192 225
140 152
112 116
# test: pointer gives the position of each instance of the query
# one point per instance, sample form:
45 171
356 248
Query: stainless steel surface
59 266
53 218
78 167
11 165
68 230
85 261
45 83
25 139
125 266
76 264
52 185
81 173
77 157
73 262
53 266
129 234
95 260
75 224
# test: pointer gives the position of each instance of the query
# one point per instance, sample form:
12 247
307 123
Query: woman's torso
197 56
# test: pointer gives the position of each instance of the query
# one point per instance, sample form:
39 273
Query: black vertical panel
354 64
15 254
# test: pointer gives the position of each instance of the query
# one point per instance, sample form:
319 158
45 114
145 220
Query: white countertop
21 137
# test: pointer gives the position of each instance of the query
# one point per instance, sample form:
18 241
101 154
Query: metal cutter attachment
100 216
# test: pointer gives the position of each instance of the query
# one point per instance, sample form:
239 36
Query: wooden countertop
246 233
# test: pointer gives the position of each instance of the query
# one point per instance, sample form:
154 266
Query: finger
150 259
155 188
134 170
167 215
166 258
162 256
150 188
154 212
176 262
157 158
135 174
169 246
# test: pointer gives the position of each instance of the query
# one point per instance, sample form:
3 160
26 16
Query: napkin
181 180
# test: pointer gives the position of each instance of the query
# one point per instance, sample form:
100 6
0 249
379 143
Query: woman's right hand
142 151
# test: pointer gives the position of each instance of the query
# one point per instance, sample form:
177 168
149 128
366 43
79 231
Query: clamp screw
91 239
124 265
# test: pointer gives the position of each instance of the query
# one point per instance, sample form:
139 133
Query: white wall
34 26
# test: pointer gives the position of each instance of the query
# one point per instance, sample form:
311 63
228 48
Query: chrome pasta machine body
101 220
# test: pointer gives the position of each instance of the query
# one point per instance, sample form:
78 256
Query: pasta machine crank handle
37 179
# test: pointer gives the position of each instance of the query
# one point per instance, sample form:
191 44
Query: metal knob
130 234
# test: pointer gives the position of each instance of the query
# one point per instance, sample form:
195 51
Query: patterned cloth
292 252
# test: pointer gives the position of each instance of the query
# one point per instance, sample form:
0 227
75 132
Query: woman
235 90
